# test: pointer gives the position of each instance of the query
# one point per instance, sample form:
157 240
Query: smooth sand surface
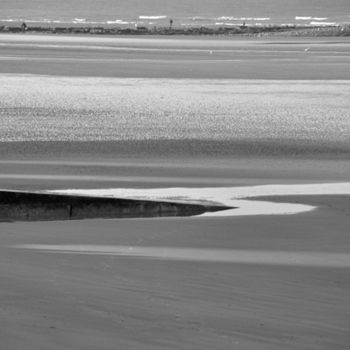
159 57
85 301
65 170
68 300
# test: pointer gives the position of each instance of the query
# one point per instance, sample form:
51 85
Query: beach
175 57
103 300
154 114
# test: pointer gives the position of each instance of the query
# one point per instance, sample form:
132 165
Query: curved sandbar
32 206
244 199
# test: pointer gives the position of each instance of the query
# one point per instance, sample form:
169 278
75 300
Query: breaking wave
153 17
324 24
308 18
178 21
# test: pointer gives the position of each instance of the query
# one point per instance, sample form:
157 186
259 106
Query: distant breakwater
35 206
244 30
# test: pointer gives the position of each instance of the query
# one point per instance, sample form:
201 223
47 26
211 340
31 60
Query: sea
181 13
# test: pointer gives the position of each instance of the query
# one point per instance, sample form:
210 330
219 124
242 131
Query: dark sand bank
242 30
189 57
87 301
30 206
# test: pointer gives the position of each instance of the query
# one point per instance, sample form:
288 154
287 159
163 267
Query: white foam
152 17
308 18
302 18
225 24
200 18
118 21
228 18
228 196
255 18
323 24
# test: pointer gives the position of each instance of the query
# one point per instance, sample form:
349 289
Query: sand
178 57
64 299
61 299
55 300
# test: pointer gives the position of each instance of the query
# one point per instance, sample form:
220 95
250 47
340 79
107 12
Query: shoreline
239 30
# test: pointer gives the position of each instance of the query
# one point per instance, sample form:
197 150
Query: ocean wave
44 20
196 24
308 18
153 17
324 24
229 18
184 21
225 24
255 18
118 21
200 18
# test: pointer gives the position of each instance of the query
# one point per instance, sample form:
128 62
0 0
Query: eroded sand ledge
32 206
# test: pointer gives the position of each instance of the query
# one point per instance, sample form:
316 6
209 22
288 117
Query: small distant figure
24 27
171 23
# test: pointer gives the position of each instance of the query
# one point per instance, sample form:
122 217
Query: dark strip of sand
33 206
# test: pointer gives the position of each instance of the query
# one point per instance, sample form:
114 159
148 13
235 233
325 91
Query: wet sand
71 171
69 299
59 300
55 300
176 57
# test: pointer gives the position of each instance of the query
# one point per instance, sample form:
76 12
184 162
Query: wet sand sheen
232 58
279 258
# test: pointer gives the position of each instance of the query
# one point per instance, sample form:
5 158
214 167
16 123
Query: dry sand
77 301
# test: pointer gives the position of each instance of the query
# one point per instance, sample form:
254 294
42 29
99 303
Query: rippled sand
90 109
